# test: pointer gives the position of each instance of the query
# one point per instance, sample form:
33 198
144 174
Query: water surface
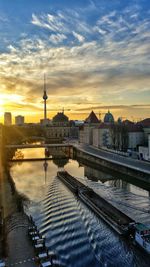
72 230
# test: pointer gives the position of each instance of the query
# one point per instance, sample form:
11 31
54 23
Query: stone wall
112 166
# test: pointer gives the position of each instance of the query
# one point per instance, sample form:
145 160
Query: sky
95 55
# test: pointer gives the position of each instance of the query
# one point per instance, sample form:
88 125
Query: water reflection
32 153
113 181
96 175
72 230
18 155
129 187
45 166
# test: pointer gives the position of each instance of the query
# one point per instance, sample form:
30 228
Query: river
72 230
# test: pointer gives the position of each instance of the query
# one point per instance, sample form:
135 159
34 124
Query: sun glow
6 100
1 102
1 105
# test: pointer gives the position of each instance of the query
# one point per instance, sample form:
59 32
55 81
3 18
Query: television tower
45 97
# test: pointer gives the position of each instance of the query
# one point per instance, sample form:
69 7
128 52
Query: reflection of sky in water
29 178
33 152
128 187
110 181
70 228
74 169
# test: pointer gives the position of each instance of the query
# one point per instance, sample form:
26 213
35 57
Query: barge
119 221
72 183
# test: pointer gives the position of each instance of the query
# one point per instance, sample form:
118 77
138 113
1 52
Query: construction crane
59 110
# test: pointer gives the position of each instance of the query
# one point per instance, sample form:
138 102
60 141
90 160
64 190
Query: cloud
3 18
79 37
57 38
53 23
122 107
100 62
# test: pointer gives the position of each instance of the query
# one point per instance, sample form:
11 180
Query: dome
108 117
60 117
60 163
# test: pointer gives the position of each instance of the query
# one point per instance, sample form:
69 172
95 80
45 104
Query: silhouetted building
92 118
60 119
7 118
19 120
108 117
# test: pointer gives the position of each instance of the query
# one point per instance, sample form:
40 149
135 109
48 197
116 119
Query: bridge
38 159
137 168
38 145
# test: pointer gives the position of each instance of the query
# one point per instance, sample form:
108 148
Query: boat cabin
142 229
142 236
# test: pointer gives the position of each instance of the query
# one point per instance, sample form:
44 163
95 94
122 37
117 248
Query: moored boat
142 236
111 215
114 217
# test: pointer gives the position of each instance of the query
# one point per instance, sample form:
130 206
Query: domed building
60 127
60 117
108 118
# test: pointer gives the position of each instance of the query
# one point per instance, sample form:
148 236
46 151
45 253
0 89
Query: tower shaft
45 97
45 110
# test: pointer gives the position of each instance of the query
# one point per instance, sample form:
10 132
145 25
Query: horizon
95 55
100 117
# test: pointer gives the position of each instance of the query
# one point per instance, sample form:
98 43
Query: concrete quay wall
118 167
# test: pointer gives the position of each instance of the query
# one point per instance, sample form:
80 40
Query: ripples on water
78 237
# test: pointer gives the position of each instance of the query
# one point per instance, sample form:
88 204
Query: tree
119 135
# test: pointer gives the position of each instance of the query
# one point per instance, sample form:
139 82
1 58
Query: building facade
60 128
102 136
7 118
120 135
19 120
86 130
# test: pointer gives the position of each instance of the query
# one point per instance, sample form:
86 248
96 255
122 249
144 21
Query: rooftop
60 117
92 118
144 123
142 227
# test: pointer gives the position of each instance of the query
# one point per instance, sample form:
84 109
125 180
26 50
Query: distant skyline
95 54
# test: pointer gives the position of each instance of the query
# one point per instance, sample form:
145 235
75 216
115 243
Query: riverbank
135 168
8 205
14 246
19 248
